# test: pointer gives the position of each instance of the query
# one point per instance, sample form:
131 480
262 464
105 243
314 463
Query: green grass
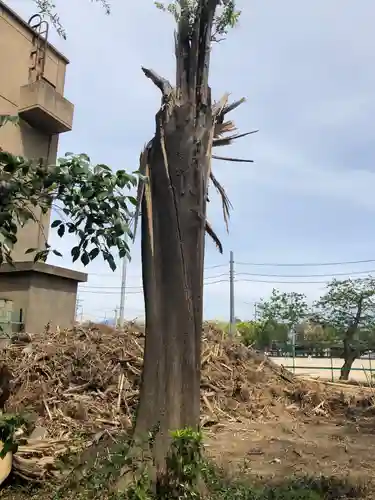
219 487
242 487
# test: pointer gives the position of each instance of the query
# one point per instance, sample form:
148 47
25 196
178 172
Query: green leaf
85 259
89 195
94 253
9 243
71 228
41 256
56 252
120 227
102 196
133 200
75 252
84 157
123 253
160 6
31 250
61 230
112 263
12 238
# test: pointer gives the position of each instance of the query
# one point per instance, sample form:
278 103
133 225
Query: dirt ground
257 418
276 450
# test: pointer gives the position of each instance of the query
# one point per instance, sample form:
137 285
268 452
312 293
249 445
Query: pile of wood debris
78 384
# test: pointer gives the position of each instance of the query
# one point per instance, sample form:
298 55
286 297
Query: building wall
52 298
16 44
16 288
42 297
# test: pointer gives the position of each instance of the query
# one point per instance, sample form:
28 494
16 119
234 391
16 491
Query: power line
137 276
219 281
140 290
86 287
305 275
286 282
99 287
311 264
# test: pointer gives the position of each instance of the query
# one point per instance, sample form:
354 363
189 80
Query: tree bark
350 355
177 163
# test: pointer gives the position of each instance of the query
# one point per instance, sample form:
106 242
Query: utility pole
116 317
123 289
231 295
78 306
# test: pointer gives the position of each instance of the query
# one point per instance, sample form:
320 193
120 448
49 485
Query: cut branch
231 107
223 128
162 84
143 166
224 199
183 51
238 160
212 233
226 141
218 107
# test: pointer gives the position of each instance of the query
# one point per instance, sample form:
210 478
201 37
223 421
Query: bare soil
275 450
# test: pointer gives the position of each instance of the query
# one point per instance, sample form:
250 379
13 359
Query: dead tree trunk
177 164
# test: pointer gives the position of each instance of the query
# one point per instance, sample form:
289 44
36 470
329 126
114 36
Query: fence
324 359
7 330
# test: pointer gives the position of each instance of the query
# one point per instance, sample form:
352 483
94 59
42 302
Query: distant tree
252 334
315 333
261 334
282 308
92 202
349 307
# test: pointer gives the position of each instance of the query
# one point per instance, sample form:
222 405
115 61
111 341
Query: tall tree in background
349 307
283 308
177 163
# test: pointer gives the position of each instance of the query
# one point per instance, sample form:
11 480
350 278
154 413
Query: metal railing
333 353
7 330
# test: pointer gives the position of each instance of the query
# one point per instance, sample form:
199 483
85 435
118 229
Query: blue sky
308 72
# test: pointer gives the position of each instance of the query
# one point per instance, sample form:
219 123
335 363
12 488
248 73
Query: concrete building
32 86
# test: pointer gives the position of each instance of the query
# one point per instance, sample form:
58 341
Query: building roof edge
21 21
